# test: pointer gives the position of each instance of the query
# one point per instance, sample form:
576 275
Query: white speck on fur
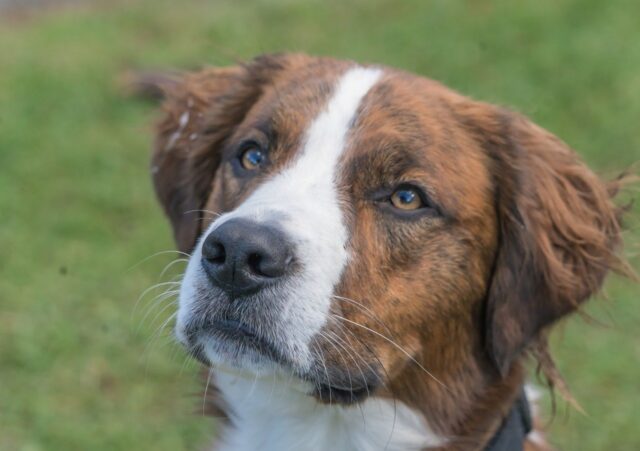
182 123
537 438
533 395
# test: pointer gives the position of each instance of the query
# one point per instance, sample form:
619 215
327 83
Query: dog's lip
344 395
234 328
238 332
355 389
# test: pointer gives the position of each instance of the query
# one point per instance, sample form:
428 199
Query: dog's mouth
340 383
233 338
331 394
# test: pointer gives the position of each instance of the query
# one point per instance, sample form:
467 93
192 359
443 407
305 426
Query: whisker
395 402
273 386
157 302
370 313
253 386
153 340
163 309
144 293
326 372
187 360
316 373
170 251
382 382
346 347
175 350
156 343
158 332
206 388
213 214
400 348
331 342
170 264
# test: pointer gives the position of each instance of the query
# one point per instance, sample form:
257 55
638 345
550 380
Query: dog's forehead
291 99
401 125
307 87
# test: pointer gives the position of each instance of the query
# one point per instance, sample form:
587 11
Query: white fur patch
303 201
533 395
276 415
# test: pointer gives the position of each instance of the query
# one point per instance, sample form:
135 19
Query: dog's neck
467 404
276 413
273 414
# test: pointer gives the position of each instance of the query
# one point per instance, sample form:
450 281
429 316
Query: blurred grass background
79 369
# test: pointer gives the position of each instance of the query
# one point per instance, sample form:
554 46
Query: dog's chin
250 364
241 355
232 353
237 358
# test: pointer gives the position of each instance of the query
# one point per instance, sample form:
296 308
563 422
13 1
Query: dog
373 257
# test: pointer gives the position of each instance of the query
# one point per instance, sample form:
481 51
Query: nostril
254 260
215 253
269 265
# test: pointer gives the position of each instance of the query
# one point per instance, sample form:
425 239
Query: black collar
515 427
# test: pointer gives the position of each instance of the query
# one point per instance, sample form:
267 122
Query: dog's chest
272 415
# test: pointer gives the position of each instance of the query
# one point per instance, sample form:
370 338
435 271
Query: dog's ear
558 231
202 110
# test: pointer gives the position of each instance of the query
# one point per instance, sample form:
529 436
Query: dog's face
348 224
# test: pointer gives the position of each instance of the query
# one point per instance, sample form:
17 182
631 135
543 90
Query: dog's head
355 224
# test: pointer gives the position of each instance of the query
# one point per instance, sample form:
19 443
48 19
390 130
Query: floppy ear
558 232
201 111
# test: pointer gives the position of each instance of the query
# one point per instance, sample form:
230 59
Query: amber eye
252 158
406 199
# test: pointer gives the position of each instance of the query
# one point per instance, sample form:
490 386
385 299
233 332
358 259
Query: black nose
242 256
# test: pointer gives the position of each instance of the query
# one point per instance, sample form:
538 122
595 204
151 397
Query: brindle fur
526 232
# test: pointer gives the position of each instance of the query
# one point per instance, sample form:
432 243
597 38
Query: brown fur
526 232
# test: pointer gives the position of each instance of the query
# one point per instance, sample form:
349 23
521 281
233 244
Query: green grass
77 370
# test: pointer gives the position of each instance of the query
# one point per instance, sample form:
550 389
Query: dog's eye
406 198
252 158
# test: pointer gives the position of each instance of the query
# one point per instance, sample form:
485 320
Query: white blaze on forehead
309 183
306 195
326 136
303 200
